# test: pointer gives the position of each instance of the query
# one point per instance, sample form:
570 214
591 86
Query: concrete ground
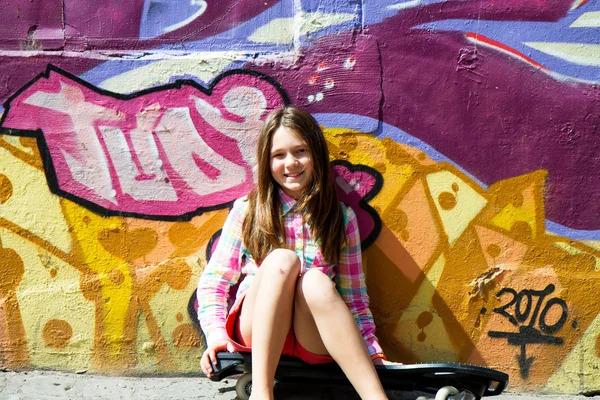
45 385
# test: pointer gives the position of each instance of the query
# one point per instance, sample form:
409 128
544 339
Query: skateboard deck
445 380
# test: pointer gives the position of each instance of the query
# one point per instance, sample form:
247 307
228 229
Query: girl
304 294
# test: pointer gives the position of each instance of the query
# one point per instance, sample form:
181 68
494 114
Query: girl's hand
381 361
210 355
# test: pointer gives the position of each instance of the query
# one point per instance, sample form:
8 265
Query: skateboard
444 380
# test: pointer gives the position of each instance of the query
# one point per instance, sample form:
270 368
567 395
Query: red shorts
291 346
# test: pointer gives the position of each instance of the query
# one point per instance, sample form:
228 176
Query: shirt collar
287 201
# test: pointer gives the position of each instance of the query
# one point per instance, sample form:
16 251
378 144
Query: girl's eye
301 151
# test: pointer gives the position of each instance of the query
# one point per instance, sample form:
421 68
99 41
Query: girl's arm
351 285
221 272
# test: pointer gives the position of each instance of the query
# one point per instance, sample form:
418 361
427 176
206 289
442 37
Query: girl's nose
291 160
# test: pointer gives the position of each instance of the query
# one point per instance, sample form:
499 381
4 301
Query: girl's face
291 162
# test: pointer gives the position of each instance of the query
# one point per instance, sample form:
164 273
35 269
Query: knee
317 290
281 262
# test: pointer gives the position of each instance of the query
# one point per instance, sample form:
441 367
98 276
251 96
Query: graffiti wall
464 133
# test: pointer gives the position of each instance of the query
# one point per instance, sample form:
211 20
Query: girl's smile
291 162
294 175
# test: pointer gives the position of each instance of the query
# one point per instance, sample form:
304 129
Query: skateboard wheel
243 387
445 392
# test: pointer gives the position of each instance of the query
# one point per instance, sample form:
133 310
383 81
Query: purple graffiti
497 117
490 113
165 153
515 35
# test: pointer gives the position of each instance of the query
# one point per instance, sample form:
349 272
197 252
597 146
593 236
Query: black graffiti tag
529 310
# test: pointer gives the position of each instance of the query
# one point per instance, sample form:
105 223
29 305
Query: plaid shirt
231 259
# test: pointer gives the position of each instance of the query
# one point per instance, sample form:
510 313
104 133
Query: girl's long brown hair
263 228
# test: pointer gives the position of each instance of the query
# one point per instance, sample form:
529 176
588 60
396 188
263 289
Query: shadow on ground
307 391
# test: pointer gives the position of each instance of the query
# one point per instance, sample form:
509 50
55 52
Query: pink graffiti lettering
355 186
166 153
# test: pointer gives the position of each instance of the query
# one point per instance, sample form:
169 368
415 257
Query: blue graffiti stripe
572 233
163 16
378 10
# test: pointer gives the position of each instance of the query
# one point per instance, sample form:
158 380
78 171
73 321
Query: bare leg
323 324
266 317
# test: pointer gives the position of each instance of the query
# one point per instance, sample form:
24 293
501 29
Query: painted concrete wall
465 134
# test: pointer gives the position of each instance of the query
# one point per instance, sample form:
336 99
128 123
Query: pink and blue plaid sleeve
221 272
350 282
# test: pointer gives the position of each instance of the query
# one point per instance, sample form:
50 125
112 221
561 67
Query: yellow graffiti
81 291
448 246
88 284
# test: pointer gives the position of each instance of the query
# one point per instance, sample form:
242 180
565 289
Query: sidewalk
47 385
